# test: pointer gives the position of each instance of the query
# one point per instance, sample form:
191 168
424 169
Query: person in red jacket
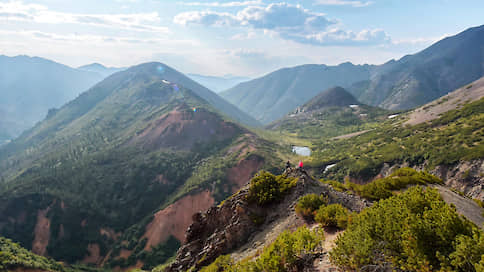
300 164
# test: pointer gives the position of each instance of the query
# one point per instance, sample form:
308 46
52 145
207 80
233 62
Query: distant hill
331 113
270 97
332 97
120 170
100 69
218 84
396 85
30 86
417 79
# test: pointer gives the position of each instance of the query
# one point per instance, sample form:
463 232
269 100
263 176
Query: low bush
412 231
283 255
308 204
333 215
266 188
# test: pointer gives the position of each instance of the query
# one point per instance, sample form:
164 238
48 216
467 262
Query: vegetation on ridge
412 231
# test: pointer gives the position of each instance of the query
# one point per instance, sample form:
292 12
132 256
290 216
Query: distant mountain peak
332 97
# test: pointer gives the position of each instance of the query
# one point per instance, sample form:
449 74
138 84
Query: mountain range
398 84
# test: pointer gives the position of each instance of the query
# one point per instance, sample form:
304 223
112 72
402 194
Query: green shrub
412 231
308 204
222 263
266 187
13 256
333 215
282 255
338 186
400 179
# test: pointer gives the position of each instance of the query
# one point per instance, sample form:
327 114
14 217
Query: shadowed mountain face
417 79
409 82
29 87
90 176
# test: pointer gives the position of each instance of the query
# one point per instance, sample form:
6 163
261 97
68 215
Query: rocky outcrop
465 176
229 226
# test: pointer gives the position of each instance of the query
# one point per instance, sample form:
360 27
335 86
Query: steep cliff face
239 227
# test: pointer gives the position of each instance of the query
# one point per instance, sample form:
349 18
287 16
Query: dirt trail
323 264
464 206
350 135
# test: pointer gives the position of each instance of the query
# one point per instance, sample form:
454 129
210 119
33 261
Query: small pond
302 150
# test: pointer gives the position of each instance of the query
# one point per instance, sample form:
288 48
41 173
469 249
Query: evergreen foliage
284 254
308 204
333 215
13 256
412 231
266 188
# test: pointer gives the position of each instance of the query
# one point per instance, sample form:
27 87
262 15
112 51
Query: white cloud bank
18 11
290 22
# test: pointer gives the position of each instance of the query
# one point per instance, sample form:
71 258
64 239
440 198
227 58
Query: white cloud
340 37
18 11
244 36
220 4
352 3
281 16
289 22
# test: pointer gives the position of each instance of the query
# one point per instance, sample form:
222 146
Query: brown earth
454 100
41 233
110 233
240 174
175 219
93 256
182 129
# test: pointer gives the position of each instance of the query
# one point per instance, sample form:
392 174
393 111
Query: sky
238 37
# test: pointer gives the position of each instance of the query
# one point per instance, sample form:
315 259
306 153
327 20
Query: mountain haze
100 69
30 86
218 84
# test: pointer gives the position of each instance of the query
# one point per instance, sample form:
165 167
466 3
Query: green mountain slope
90 182
13 256
331 113
449 145
30 86
270 97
